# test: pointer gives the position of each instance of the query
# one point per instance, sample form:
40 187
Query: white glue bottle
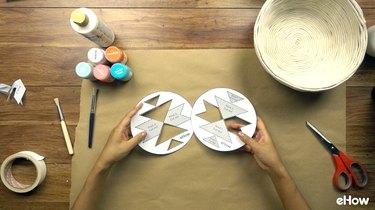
85 22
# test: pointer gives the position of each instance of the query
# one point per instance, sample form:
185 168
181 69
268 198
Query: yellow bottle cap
79 17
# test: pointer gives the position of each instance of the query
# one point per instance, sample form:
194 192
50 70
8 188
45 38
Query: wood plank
37 205
367 192
46 140
365 75
370 15
152 3
44 66
134 28
362 78
39 107
360 107
138 3
360 132
53 193
41 66
360 143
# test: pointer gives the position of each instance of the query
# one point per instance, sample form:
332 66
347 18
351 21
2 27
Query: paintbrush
63 127
92 115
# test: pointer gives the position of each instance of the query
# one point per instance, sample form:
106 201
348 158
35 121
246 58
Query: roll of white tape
11 183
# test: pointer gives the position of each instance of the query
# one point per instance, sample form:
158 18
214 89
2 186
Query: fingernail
144 133
241 134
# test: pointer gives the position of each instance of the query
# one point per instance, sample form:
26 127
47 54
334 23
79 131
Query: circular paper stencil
165 116
214 111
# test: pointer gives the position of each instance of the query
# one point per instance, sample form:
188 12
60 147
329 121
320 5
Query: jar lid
114 54
84 70
79 17
120 71
102 72
96 55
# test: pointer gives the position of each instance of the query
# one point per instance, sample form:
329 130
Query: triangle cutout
212 113
173 144
158 113
153 101
168 132
235 120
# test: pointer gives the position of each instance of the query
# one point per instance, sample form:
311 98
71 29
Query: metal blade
322 138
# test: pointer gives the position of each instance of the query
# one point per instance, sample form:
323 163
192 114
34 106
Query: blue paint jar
85 70
121 72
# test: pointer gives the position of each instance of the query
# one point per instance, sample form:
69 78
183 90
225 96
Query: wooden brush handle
67 138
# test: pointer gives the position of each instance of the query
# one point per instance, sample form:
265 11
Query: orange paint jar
114 54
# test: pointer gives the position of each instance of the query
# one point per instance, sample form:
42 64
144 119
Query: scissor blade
322 138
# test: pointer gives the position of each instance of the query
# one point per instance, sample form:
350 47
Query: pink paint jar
103 73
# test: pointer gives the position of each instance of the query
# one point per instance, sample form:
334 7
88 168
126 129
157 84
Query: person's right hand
261 147
120 142
266 156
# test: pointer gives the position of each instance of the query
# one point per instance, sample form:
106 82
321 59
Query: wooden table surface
38 45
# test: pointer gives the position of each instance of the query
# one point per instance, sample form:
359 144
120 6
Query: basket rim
363 38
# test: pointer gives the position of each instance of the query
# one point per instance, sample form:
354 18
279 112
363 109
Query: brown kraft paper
197 177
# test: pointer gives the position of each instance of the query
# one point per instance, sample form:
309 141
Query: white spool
11 183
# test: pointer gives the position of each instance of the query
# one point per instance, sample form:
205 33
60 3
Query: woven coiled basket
310 45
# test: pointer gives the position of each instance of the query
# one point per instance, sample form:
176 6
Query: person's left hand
120 142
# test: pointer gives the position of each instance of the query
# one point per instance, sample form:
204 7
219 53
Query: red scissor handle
349 170
356 169
341 172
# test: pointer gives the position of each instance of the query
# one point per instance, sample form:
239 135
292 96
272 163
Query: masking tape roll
11 183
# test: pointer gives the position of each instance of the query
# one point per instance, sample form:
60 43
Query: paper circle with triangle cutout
165 116
214 111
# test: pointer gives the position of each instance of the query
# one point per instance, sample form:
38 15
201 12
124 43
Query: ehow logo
352 201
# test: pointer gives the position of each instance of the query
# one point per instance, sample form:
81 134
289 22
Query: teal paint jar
121 72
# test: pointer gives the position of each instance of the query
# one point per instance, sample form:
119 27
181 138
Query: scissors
348 171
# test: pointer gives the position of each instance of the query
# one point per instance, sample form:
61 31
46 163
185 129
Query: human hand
265 154
120 142
261 147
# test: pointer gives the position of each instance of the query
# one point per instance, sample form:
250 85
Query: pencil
92 115
63 127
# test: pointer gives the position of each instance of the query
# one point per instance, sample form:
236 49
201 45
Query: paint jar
103 73
96 56
85 70
85 22
115 55
121 72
